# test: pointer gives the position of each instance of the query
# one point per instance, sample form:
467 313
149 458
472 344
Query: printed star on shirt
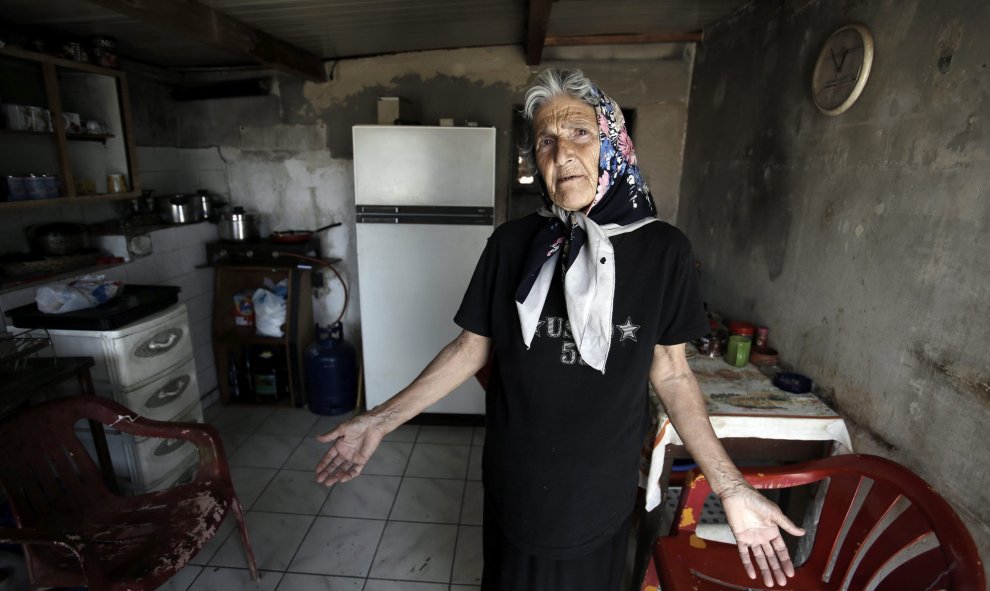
628 330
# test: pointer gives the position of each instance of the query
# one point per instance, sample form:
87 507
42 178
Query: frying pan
297 236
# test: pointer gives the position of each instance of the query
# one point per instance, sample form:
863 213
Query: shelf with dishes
68 122
72 137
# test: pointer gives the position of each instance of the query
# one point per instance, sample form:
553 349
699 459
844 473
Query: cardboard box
392 109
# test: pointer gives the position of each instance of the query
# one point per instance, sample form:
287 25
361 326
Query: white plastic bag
269 313
86 292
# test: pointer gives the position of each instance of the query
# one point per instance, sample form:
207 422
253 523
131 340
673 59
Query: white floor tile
250 483
293 491
274 536
265 451
390 459
289 421
232 441
338 546
424 479
182 579
237 419
403 433
298 582
233 579
444 434
468 559
431 460
474 464
428 500
415 552
472 510
383 585
327 423
367 496
306 456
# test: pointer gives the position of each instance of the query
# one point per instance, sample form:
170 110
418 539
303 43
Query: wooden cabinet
36 88
235 344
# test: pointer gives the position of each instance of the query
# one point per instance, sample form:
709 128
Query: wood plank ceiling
296 35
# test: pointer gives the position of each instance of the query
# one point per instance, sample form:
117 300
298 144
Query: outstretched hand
351 446
756 524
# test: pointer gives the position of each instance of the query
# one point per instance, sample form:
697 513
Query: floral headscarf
622 203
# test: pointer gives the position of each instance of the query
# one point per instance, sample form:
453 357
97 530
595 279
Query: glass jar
740 343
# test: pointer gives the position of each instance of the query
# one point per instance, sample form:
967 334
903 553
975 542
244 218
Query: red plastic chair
881 528
76 532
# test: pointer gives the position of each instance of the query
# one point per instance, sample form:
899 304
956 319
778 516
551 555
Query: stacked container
148 367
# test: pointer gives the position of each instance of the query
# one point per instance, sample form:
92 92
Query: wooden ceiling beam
536 30
199 22
557 41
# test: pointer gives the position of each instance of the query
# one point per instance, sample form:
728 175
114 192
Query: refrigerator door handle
413 214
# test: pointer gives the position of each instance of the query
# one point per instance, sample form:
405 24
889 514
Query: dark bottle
234 379
248 380
265 368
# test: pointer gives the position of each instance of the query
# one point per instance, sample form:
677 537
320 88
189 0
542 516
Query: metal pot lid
239 214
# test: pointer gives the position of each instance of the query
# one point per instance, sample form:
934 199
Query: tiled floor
410 522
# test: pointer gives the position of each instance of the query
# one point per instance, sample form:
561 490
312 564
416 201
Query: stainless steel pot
59 238
239 225
202 206
176 209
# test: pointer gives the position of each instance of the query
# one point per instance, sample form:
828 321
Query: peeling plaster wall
289 153
860 240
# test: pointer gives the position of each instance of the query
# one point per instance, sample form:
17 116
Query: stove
259 250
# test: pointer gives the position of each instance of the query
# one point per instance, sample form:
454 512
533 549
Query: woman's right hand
351 446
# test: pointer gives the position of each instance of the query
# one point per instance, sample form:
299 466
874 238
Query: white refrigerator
425 202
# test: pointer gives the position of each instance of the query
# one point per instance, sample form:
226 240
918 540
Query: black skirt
509 569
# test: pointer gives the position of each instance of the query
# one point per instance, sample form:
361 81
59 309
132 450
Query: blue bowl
793 382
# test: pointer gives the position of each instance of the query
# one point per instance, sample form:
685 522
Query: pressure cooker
58 238
239 225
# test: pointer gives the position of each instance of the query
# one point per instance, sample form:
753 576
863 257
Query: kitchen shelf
32 203
10 284
233 343
72 137
65 86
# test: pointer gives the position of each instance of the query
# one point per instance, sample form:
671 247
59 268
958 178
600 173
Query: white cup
72 122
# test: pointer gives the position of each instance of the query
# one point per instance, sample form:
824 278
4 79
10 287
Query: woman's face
566 135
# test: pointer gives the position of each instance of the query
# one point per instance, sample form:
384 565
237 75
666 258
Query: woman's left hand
756 524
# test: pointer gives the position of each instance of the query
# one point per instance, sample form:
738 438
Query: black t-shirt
562 444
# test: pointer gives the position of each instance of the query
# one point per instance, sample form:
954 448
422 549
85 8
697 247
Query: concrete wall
288 154
861 240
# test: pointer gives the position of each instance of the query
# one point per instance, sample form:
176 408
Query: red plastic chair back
45 470
75 531
880 528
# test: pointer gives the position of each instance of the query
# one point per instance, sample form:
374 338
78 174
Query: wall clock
842 69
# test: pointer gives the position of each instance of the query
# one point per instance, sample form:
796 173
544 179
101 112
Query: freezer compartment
421 165
413 214
413 278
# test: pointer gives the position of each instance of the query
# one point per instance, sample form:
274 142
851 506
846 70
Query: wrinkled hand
351 446
755 523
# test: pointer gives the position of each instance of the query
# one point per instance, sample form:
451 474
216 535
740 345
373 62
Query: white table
753 418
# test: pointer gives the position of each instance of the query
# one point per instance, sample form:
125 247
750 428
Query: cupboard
67 122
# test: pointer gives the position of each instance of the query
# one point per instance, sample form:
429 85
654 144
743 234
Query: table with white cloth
754 419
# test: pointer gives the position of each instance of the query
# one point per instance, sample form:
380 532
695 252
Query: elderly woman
583 304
